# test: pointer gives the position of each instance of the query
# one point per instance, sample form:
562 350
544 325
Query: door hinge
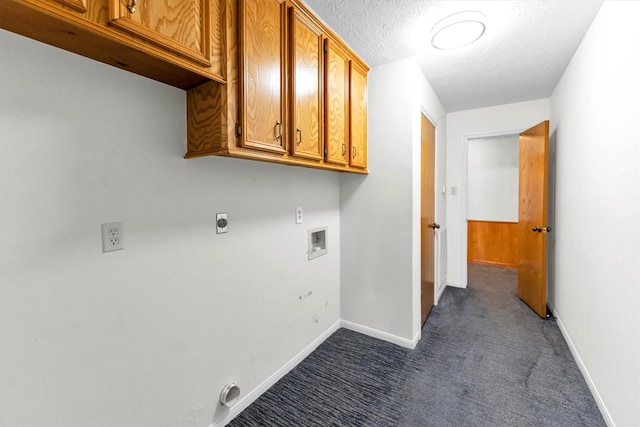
238 130
326 47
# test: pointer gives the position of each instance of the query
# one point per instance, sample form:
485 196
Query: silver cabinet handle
279 135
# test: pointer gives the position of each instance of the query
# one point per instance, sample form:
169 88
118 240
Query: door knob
541 229
435 225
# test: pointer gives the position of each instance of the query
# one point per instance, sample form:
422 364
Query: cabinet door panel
337 104
306 87
262 66
358 107
179 26
79 5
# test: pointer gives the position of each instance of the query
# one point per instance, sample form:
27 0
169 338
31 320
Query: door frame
437 273
463 195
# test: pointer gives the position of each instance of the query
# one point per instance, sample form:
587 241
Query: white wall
380 213
499 120
493 178
595 113
149 335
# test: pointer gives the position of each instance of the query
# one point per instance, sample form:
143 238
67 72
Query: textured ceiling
522 55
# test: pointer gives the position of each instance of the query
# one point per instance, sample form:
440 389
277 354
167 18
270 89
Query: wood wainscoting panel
493 242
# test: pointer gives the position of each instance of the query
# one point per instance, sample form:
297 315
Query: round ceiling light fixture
458 30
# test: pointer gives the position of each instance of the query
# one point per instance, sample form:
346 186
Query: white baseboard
585 373
249 398
440 291
384 336
455 285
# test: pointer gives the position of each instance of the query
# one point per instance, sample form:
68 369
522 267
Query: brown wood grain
306 87
218 42
79 5
231 109
337 141
205 117
532 267
262 73
179 26
427 216
214 110
88 34
493 242
358 114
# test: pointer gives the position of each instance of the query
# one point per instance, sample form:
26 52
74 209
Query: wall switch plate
112 237
221 223
299 215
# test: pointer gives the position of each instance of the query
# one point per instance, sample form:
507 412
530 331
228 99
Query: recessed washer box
317 242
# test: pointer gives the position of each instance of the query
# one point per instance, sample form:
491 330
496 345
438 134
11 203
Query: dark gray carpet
485 359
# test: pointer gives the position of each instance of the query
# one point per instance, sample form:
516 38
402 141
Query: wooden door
262 25
427 217
181 27
336 104
532 284
306 46
358 115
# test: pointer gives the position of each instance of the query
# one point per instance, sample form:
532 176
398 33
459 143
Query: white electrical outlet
221 223
299 215
112 237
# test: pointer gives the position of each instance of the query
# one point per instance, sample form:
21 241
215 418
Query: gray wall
493 178
149 335
380 213
595 114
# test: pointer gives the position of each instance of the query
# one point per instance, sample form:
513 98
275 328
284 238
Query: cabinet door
358 110
306 87
79 5
180 27
336 104
262 74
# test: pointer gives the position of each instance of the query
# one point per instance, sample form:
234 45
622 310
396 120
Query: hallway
485 359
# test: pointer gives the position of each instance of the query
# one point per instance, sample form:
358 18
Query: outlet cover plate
222 223
299 215
112 236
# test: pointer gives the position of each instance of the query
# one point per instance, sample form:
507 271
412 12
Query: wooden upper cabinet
262 74
336 104
306 47
287 100
181 27
79 5
179 42
358 113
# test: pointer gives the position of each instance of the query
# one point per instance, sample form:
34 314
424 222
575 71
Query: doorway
523 243
428 225
492 201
